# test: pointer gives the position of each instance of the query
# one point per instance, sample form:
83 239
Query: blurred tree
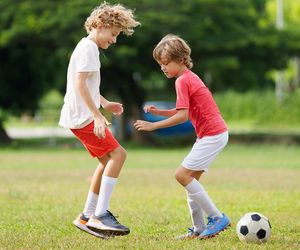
291 22
231 48
37 39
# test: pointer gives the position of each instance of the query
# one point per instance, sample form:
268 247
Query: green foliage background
229 44
252 110
235 45
260 109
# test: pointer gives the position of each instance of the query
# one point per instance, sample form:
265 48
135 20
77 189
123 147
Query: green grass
43 190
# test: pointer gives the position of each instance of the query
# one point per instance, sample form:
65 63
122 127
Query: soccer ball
253 228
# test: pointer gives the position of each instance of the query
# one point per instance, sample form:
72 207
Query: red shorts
97 147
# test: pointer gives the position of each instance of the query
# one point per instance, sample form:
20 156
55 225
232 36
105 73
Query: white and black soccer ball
253 228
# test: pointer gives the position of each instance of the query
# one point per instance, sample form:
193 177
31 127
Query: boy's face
106 36
170 68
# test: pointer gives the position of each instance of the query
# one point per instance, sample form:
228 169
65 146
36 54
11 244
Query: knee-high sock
196 215
90 204
199 195
107 185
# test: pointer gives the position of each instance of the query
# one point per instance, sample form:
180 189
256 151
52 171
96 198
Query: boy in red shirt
194 102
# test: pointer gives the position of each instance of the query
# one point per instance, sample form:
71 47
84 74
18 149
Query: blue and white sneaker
191 234
107 224
214 226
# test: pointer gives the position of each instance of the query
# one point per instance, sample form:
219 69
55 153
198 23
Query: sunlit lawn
43 190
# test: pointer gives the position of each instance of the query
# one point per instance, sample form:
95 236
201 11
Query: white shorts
204 151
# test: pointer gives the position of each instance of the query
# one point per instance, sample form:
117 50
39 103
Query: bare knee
179 176
123 153
119 154
185 176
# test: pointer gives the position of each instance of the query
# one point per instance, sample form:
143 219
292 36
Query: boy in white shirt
81 114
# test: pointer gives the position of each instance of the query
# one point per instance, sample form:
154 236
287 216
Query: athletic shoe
214 226
81 221
191 234
107 223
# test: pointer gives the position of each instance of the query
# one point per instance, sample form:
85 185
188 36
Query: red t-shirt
192 94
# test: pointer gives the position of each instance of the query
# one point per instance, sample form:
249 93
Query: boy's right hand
99 126
151 109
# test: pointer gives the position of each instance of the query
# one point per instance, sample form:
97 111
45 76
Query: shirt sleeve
88 60
182 92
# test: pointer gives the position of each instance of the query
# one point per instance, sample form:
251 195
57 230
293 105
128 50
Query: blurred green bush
260 108
252 109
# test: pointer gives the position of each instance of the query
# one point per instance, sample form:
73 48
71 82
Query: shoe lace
190 230
210 221
114 218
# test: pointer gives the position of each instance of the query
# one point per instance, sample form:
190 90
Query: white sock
90 204
196 215
199 195
107 185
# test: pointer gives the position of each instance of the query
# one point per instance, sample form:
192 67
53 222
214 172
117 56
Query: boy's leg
217 221
196 191
109 178
103 220
202 198
97 176
90 204
92 199
203 153
197 220
112 159
194 208
196 215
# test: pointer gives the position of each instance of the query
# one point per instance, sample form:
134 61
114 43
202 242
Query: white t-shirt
85 58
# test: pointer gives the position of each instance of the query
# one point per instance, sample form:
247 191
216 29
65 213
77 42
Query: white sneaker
108 224
191 234
81 221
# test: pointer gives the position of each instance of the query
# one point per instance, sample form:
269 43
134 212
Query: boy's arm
167 112
114 107
162 112
103 101
180 116
81 88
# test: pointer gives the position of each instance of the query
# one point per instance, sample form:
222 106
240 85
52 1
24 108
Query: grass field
43 190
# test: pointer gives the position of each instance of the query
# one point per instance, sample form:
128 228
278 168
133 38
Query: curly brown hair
173 48
107 15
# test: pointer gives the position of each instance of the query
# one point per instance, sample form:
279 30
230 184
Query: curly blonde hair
173 48
107 15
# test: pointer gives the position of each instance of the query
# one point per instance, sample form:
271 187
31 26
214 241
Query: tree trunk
136 136
296 80
4 138
279 86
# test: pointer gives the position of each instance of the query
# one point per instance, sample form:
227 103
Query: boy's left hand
114 107
141 125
